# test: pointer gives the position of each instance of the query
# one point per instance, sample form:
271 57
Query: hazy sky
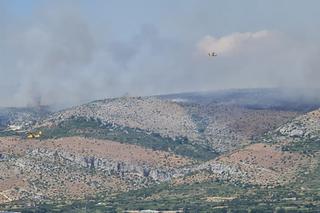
68 52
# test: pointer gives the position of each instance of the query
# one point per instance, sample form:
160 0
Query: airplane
31 135
212 54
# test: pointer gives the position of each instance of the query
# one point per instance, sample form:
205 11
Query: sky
70 52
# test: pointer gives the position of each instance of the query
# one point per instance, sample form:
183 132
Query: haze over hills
159 106
164 145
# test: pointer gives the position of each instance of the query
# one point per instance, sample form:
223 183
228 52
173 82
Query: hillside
151 153
281 155
302 134
218 127
280 171
228 127
150 114
68 168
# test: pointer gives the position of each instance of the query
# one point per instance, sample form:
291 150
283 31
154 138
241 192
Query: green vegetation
96 129
211 196
305 146
201 122
8 133
301 196
195 197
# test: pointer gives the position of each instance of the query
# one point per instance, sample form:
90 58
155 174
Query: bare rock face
296 133
104 165
307 125
292 130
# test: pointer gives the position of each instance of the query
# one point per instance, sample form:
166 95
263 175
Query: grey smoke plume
60 57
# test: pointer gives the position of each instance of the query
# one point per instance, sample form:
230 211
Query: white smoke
61 57
235 42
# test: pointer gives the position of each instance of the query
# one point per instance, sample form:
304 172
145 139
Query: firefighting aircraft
213 54
35 135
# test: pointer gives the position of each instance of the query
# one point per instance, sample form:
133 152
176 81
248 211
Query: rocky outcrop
305 126
105 165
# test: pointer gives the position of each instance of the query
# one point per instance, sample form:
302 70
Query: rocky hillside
259 165
302 134
284 156
210 154
220 127
147 113
305 126
228 127
35 169
69 168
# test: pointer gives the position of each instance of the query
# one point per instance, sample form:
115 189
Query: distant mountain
267 98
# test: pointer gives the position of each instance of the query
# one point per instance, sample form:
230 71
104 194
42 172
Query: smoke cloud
233 43
61 57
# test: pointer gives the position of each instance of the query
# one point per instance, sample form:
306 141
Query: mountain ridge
165 151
